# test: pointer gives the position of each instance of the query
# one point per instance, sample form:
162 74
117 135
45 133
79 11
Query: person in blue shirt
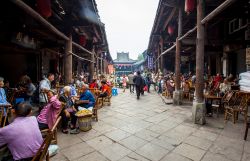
3 99
87 100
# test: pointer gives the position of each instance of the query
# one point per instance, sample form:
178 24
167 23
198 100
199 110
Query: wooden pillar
97 63
92 67
68 60
200 54
101 65
162 57
177 97
199 109
177 66
159 60
178 52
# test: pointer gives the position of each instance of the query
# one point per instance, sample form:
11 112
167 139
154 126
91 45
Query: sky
128 24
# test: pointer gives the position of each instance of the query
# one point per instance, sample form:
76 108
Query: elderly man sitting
86 100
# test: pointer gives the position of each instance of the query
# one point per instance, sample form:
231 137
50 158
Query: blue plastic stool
114 92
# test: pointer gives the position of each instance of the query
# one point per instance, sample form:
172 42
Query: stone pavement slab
115 152
77 150
190 152
117 135
133 142
95 156
99 142
152 152
147 134
214 157
175 157
198 142
134 157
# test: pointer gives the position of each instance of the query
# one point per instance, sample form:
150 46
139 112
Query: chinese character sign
150 62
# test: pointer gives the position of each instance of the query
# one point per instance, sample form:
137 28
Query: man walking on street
131 83
138 81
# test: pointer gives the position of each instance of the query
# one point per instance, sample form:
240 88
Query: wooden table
212 98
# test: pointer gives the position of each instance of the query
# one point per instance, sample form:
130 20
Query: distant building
123 64
142 64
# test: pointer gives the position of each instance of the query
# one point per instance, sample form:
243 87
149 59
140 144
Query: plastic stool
114 92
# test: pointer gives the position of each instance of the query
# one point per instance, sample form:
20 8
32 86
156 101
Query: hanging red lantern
82 40
170 29
44 8
189 5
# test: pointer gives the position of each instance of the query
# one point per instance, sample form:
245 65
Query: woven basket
85 122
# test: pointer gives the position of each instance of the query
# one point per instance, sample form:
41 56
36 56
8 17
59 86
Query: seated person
68 112
93 84
47 117
22 137
30 90
87 99
73 89
224 87
73 93
186 88
3 100
170 86
104 89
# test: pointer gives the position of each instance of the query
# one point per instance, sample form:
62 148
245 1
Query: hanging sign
24 40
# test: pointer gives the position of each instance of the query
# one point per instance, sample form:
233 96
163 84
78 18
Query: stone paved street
149 129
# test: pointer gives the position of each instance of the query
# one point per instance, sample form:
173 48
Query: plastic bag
53 149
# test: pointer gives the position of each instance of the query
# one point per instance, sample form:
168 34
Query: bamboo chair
95 109
225 101
246 130
43 150
239 105
3 118
107 99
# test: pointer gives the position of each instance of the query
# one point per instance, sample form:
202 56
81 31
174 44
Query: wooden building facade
226 36
38 37
209 37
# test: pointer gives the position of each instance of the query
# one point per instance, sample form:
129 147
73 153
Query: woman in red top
104 89
93 84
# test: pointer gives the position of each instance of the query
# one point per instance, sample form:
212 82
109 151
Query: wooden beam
82 48
218 10
169 18
68 61
169 4
44 22
188 33
157 23
81 58
39 18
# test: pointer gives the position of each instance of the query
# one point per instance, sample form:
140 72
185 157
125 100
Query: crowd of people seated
22 134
